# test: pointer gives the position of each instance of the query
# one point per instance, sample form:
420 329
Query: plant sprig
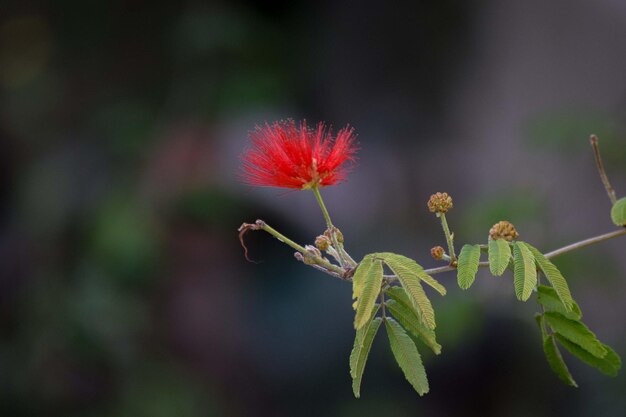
404 306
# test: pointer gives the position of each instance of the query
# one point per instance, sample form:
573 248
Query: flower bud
313 251
306 259
503 230
437 253
336 232
322 242
439 203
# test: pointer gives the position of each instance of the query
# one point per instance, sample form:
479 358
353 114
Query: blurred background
123 288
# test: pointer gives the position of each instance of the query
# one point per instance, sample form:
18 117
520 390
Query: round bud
439 203
322 242
503 230
437 253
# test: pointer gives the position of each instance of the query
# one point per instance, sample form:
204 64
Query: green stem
283 238
344 257
449 241
318 196
318 260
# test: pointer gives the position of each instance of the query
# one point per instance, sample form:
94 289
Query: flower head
290 156
439 203
503 230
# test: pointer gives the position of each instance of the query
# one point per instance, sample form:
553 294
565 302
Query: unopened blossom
503 230
439 203
437 253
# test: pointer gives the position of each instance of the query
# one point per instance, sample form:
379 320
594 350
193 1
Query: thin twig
324 265
586 242
314 259
605 180
552 254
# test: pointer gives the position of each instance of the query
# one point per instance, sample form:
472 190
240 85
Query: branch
345 274
584 243
552 254
308 257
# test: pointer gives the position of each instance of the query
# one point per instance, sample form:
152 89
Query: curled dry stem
321 263
243 229
605 179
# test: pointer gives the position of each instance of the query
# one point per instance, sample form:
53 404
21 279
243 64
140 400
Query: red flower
290 156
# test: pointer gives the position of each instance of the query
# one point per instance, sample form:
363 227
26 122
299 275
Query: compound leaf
407 272
402 310
499 256
576 332
608 365
407 356
367 281
432 282
549 299
553 355
525 272
410 265
554 276
618 212
360 351
467 266
400 295
358 280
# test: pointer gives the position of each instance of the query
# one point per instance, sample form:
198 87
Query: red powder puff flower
290 156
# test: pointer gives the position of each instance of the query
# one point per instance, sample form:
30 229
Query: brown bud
437 252
503 230
336 232
339 235
439 203
322 242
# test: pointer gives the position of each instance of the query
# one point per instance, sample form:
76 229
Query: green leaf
608 365
468 265
549 299
432 282
499 256
618 212
369 278
576 332
407 273
404 313
410 264
360 351
556 361
359 342
400 295
554 276
407 356
525 272
358 280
